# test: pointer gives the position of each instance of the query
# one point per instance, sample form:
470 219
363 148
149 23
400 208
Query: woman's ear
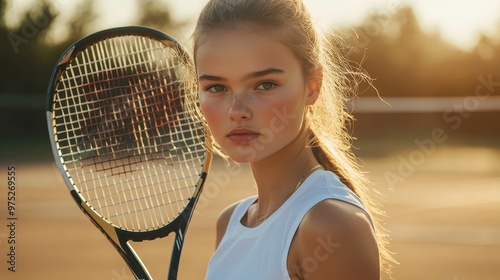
314 81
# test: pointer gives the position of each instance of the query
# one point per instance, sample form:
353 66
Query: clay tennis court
444 218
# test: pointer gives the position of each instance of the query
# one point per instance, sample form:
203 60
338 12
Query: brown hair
327 120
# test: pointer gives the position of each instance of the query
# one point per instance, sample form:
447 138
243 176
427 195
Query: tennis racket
125 139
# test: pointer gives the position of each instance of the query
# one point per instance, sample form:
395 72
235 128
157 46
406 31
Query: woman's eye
216 88
266 86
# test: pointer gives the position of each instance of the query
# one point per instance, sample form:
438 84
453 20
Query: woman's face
252 92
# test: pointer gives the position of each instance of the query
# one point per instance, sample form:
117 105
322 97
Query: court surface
444 218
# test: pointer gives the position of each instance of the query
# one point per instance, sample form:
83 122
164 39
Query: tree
155 14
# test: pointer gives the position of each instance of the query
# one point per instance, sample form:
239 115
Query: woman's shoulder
336 237
336 217
225 217
223 221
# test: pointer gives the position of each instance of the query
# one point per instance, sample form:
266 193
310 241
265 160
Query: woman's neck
279 175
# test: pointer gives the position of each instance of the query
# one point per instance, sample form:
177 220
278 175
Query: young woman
273 97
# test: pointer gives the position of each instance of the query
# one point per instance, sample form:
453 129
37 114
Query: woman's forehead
244 46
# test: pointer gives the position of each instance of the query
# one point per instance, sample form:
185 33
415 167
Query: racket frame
117 236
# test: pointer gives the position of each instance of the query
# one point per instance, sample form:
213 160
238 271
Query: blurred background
429 139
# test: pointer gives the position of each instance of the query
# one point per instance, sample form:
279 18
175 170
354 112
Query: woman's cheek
212 112
207 106
283 115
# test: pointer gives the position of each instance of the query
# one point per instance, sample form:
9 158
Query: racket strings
126 141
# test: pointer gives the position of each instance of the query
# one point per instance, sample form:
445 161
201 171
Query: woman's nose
239 108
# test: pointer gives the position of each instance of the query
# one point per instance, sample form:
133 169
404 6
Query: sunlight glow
460 22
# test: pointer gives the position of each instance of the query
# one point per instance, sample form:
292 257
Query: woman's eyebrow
252 75
211 78
261 73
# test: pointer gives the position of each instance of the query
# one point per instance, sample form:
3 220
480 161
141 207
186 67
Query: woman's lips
242 135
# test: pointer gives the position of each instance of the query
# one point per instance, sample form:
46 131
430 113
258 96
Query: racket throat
134 262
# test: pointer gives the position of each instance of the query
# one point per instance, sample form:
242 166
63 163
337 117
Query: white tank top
261 252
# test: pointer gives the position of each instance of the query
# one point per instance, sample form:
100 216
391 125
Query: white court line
445 234
423 104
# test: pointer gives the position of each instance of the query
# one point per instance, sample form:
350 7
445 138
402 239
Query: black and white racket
130 150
